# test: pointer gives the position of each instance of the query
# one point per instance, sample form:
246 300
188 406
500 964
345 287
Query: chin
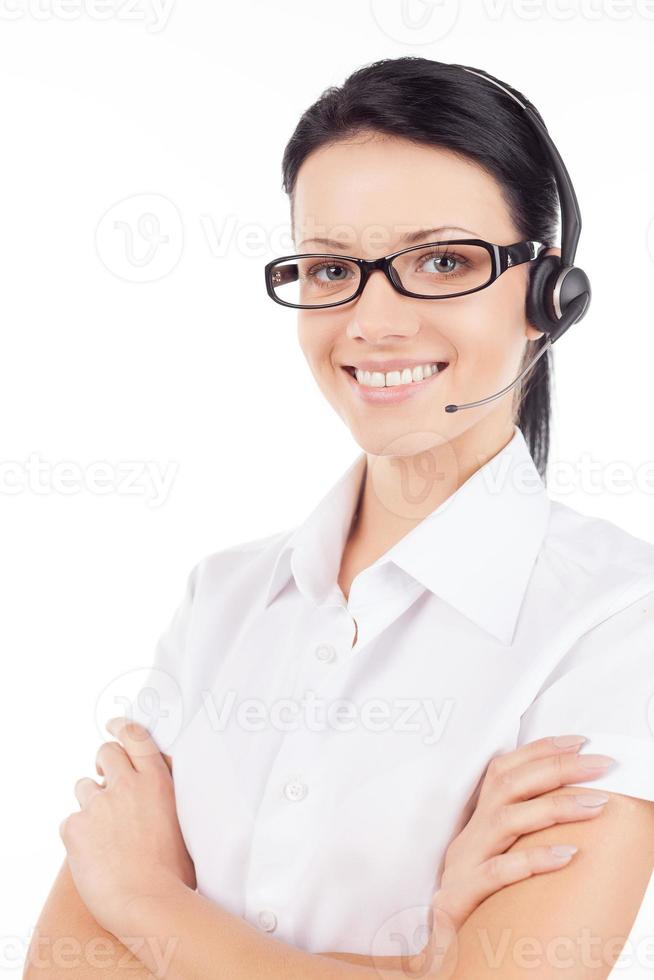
389 440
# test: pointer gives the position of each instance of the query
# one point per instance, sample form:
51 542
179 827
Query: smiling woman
383 325
435 570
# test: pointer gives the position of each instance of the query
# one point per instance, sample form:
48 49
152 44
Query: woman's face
366 194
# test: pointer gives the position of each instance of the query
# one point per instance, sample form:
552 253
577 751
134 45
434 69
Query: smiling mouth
393 379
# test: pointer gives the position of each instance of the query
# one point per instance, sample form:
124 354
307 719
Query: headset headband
570 214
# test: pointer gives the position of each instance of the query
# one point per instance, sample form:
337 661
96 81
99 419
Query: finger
494 825
112 760
516 819
138 743
84 789
533 778
67 825
539 748
461 898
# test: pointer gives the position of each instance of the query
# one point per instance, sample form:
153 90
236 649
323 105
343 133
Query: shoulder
221 592
595 543
592 567
595 594
600 579
247 562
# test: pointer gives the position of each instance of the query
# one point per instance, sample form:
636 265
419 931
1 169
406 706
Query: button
267 920
295 790
326 653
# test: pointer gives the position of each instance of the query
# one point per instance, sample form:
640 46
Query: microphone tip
451 408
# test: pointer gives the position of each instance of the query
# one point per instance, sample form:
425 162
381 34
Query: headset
558 293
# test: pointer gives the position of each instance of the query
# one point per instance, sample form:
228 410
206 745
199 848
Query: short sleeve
160 701
603 688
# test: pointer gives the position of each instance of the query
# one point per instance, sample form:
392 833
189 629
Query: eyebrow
410 238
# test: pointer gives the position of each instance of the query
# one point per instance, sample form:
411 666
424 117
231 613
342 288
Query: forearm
181 935
68 943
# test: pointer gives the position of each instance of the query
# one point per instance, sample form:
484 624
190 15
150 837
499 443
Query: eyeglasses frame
503 257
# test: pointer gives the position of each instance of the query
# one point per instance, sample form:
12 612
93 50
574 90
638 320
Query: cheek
317 338
487 328
317 356
506 297
309 341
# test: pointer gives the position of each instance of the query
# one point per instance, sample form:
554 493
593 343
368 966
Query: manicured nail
597 799
563 851
596 761
566 741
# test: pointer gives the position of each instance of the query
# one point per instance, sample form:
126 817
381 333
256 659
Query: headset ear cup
539 309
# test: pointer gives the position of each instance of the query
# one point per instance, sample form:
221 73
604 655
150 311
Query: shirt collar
475 551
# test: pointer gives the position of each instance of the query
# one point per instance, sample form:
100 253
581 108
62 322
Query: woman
434 611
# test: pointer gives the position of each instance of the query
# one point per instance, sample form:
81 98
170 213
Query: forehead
378 188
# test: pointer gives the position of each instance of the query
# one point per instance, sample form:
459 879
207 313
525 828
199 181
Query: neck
398 492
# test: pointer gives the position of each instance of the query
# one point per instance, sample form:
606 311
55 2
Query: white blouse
318 784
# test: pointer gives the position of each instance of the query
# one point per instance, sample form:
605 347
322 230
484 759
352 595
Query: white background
175 358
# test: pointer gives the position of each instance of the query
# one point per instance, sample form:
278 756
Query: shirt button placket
326 653
295 790
274 843
267 920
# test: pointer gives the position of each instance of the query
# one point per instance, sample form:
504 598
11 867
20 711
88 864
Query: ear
530 331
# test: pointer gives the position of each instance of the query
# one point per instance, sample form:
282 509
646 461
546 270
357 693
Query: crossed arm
569 924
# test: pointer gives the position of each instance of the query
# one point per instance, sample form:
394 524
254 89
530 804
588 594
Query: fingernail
563 850
597 799
566 741
596 761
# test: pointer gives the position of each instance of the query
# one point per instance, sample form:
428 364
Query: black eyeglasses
436 270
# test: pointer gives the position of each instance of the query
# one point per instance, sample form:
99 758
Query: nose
381 314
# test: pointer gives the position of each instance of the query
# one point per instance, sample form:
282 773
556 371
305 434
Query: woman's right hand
509 805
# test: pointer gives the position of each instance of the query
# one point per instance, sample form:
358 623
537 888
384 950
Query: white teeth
377 379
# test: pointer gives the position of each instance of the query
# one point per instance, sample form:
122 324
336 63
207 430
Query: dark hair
439 104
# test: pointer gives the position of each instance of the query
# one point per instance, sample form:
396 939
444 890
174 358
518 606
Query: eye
443 257
335 271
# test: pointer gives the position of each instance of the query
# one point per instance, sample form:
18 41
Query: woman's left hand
125 841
